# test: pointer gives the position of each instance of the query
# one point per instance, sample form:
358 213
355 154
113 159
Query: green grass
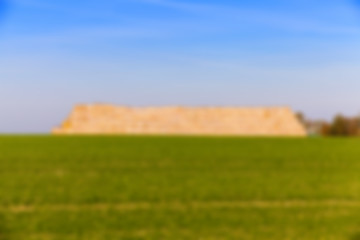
107 188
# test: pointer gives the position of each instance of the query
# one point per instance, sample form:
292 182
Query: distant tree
339 126
342 126
352 127
301 117
325 129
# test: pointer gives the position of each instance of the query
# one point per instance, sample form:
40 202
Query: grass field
107 188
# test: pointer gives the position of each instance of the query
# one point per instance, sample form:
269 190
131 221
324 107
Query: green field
107 188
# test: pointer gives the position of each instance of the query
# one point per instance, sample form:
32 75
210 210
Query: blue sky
54 54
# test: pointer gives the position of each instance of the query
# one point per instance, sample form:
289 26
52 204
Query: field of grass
107 188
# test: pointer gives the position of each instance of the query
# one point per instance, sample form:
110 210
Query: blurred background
300 53
55 54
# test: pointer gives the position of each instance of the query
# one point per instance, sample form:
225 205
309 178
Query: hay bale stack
108 119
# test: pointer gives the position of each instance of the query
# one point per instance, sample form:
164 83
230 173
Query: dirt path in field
181 205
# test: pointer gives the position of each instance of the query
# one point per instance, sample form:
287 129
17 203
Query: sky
54 54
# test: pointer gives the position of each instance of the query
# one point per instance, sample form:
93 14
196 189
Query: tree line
339 126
